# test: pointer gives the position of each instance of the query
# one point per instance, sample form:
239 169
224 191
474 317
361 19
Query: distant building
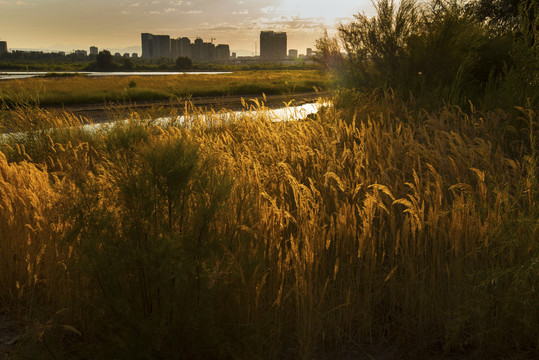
147 45
180 47
202 51
309 52
94 50
3 47
134 55
155 46
273 45
222 52
81 52
117 55
233 57
126 55
162 46
185 49
292 53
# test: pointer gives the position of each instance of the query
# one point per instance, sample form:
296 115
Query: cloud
269 10
241 12
191 12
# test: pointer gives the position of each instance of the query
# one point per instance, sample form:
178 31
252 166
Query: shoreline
102 112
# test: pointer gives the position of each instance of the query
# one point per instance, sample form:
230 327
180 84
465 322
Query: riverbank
104 112
67 91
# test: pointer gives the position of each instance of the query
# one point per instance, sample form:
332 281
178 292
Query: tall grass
324 237
81 90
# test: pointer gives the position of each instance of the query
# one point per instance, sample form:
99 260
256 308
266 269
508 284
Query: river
12 75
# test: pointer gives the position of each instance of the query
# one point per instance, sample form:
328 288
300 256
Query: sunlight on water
291 113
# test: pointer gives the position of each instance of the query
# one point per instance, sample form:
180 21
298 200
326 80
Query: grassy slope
76 90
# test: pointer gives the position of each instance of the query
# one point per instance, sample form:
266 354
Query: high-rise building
155 46
180 47
272 45
94 50
222 52
161 46
309 52
185 47
147 45
81 52
292 53
3 47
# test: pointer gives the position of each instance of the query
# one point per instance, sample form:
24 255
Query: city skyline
116 25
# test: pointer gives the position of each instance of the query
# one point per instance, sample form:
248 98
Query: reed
331 236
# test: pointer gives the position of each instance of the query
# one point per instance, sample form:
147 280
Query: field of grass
85 90
356 230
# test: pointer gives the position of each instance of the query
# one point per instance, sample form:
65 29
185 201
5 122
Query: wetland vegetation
401 221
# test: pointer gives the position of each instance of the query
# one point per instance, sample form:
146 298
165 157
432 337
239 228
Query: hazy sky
116 24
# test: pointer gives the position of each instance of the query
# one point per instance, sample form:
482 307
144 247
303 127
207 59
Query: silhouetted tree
329 52
503 14
103 61
184 63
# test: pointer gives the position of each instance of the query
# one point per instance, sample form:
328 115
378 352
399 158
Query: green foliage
184 63
127 65
148 243
377 47
329 53
103 61
441 53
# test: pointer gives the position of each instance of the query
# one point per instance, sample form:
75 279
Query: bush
438 53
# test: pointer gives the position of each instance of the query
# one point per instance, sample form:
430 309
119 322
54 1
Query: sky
116 25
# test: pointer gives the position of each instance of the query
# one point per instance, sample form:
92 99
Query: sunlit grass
256 239
75 90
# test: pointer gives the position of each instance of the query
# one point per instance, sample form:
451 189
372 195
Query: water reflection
290 113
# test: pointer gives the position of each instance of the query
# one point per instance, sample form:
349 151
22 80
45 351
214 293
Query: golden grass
323 236
78 89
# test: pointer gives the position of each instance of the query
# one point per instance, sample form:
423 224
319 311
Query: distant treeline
104 61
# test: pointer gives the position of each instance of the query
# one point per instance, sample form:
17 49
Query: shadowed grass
333 236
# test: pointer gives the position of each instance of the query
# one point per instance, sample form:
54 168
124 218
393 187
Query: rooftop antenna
211 39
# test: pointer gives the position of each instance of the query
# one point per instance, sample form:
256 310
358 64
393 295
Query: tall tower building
272 45
155 46
222 52
3 47
161 46
93 50
147 45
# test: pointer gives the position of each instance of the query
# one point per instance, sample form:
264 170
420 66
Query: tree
502 14
103 61
329 52
184 63
376 46
127 64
